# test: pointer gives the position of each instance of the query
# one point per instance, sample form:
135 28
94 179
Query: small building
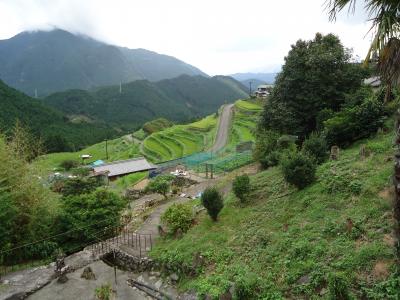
121 168
263 90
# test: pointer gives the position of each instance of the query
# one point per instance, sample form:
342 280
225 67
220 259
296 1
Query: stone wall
128 262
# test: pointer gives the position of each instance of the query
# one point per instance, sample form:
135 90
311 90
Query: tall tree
385 16
317 75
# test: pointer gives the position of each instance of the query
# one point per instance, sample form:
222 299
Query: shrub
241 187
299 169
213 202
175 190
338 289
80 172
178 217
316 147
322 116
104 292
266 142
68 164
354 123
101 209
77 186
286 142
270 160
161 184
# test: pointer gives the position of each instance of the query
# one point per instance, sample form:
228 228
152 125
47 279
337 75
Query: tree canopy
317 75
385 46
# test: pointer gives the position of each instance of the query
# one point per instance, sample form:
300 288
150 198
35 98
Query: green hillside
173 142
289 244
57 60
179 99
246 114
45 121
180 140
118 149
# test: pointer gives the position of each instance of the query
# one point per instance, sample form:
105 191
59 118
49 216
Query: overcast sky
217 36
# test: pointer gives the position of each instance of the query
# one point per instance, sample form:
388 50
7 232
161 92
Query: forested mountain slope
57 60
179 99
46 122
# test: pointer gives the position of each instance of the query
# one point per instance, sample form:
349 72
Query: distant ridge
263 77
179 99
57 60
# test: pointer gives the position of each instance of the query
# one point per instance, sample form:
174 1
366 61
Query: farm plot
180 140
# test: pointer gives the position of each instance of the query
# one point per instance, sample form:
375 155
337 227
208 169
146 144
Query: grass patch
118 149
125 182
285 243
247 105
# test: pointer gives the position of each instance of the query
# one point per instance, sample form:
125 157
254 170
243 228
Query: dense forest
179 99
52 126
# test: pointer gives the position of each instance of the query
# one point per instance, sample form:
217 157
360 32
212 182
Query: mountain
178 99
264 77
50 61
46 122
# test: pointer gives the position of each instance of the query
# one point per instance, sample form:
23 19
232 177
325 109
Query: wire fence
222 161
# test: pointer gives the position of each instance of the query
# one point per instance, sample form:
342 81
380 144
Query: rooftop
122 167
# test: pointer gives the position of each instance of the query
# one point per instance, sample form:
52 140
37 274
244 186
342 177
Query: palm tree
385 47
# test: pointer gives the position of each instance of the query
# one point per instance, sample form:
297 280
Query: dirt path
223 128
150 226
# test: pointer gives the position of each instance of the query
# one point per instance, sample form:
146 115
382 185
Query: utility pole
115 269
250 82
106 149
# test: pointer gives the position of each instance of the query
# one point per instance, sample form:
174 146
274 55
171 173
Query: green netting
222 161
189 161
228 162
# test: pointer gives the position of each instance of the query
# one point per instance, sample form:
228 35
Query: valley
172 143
131 174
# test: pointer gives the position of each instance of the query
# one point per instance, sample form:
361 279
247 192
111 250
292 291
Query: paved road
223 128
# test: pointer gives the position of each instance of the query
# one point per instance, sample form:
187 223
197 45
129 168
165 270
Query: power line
57 235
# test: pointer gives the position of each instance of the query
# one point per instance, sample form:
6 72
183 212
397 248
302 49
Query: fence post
151 243
140 248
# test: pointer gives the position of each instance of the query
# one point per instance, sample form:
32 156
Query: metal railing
138 243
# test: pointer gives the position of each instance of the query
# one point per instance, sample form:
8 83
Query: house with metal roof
263 90
120 168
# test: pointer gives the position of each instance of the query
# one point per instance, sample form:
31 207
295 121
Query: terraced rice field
180 140
248 106
244 122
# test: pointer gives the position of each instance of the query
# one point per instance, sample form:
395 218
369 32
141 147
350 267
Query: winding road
223 128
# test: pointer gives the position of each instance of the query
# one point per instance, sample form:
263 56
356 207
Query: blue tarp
97 163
